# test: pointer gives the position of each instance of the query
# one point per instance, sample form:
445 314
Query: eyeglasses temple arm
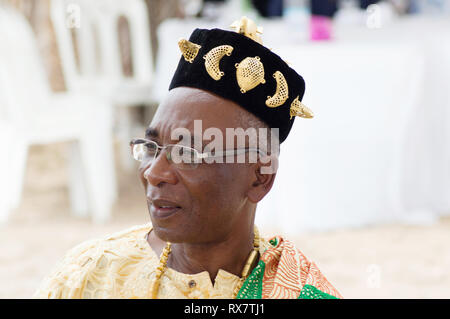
230 152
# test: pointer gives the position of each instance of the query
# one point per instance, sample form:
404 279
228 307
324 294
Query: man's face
213 197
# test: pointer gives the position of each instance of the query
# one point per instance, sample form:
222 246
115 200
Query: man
202 242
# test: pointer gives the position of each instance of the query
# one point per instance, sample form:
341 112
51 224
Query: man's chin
169 234
169 229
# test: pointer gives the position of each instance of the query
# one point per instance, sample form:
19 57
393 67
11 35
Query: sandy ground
391 261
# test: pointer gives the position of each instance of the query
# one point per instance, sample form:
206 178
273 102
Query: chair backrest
73 24
24 83
96 26
136 14
5 104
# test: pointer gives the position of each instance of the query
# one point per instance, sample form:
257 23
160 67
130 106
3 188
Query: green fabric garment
311 292
253 285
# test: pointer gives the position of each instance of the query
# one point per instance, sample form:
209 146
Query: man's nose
160 171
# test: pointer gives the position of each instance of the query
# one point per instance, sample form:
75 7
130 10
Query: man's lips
162 208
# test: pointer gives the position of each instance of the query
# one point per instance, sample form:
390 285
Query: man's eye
150 148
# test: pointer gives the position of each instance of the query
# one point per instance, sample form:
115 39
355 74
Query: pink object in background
320 28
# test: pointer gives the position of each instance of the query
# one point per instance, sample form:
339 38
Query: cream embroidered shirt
123 266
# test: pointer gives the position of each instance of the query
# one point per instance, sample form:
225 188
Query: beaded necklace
244 274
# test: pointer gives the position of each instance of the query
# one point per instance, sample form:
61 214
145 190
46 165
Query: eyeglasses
182 157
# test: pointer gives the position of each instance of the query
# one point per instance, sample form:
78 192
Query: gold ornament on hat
281 92
249 73
299 109
247 27
188 49
212 60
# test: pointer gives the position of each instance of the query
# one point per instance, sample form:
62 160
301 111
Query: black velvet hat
235 66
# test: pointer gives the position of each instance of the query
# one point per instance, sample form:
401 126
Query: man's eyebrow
151 132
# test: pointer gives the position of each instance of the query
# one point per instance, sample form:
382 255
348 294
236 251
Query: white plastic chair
35 115
97 41
5 140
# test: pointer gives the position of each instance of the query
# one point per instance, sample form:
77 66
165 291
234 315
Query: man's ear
263 178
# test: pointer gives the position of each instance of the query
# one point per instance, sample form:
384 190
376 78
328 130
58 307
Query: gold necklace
244 274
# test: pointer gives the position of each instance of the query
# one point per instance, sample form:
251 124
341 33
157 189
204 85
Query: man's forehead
200 102
184 105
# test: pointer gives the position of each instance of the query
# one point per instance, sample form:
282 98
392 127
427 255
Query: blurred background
363 189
